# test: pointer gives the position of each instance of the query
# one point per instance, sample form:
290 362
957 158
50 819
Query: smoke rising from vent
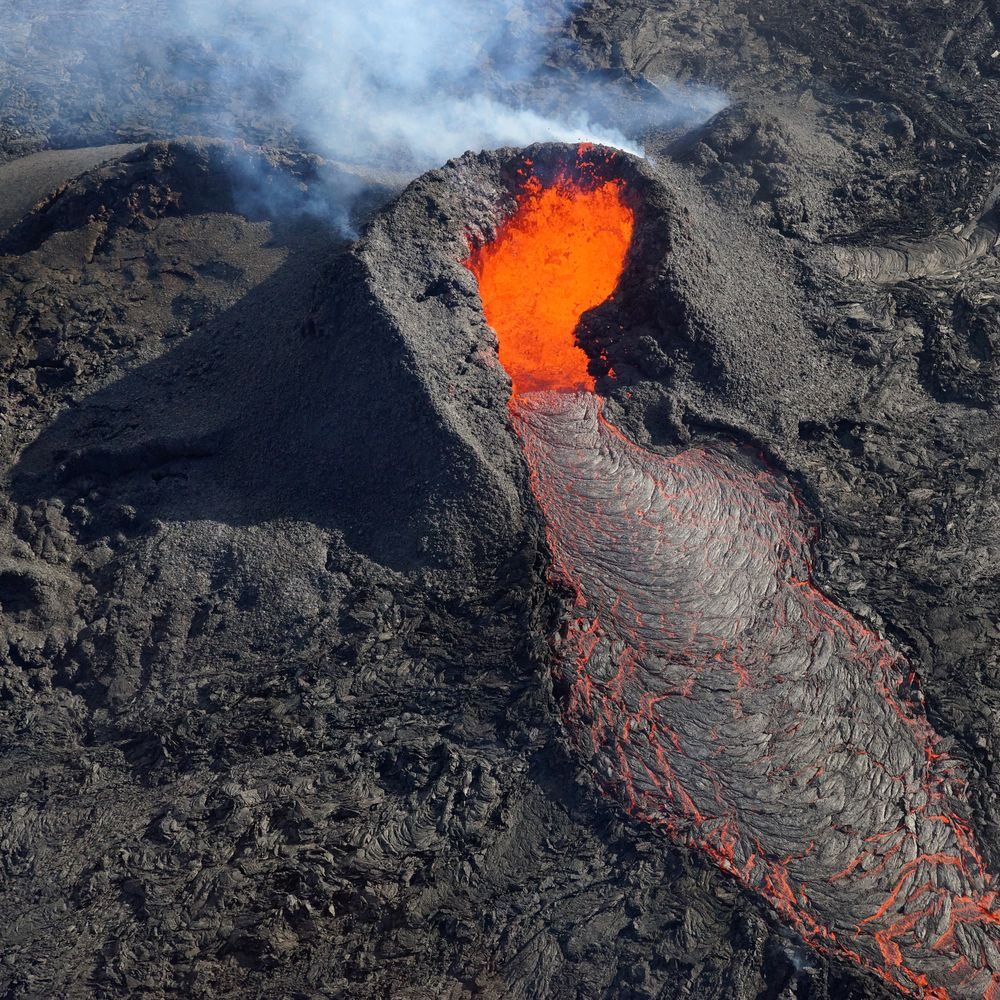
398 82
386 80
382 83
391 79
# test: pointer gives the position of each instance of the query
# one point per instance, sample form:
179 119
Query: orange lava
560 254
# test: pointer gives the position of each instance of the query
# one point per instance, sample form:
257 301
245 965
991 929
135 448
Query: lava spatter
716 691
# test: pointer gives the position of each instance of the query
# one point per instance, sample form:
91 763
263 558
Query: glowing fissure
716 691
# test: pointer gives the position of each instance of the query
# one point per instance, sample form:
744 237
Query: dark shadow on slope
257 417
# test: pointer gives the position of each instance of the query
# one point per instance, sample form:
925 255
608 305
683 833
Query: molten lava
560 254
715 690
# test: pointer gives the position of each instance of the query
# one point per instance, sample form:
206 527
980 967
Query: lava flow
718 693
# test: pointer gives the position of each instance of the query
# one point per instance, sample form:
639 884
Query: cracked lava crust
716 691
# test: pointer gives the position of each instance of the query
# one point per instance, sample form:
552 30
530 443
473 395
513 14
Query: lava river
715 690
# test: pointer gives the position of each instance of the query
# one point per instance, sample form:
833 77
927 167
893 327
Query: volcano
541 572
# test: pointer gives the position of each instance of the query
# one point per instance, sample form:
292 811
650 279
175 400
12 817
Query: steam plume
393 81
393 84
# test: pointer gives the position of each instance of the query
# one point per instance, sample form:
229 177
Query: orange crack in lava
560 254
719 693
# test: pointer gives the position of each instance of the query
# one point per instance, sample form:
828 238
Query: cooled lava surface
719 693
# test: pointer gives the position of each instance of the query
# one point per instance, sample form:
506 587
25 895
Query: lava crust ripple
725 699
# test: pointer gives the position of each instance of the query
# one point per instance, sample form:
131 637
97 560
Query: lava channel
716 691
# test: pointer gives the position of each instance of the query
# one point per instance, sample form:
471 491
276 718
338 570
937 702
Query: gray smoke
393 78
390 84
405 83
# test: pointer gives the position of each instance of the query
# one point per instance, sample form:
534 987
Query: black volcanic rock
275 694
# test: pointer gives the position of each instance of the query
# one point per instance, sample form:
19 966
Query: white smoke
399 82
398 85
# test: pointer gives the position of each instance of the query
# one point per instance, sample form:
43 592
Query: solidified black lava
275 693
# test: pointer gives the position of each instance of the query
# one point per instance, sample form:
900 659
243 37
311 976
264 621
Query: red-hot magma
535 283
714 689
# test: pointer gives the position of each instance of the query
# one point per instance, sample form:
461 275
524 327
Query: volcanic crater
707 682
213 593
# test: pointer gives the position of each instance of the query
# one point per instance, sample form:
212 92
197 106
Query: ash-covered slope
271 701
272 684
215 593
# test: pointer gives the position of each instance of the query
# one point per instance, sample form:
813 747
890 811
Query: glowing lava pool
715 690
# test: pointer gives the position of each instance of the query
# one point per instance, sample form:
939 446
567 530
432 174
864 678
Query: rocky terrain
275 697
